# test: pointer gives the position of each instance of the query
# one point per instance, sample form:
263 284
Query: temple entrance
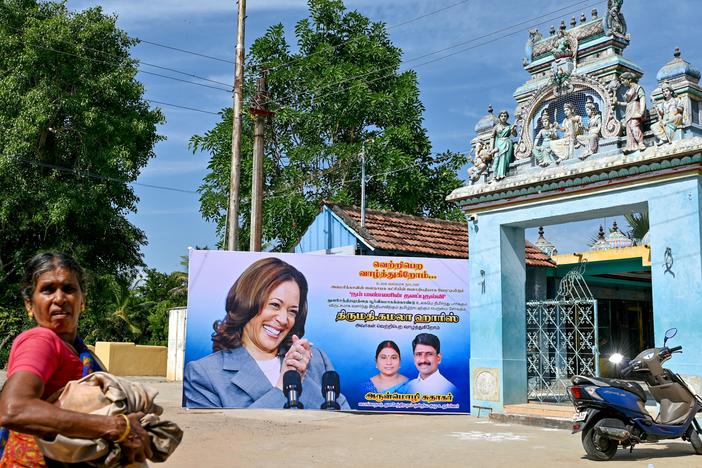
562 337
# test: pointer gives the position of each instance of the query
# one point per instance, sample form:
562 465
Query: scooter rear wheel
598 447
695 441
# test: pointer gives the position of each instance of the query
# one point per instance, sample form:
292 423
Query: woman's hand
298 356
137 446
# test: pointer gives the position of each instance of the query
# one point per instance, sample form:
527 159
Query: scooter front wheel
695 440
598 447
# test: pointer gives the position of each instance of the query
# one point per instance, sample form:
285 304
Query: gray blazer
232 379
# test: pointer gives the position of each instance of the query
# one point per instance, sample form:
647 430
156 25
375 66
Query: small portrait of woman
387 360
258 340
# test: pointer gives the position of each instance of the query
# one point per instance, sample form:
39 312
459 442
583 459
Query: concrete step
541 409
537 414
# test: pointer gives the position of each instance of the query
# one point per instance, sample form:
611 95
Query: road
274 438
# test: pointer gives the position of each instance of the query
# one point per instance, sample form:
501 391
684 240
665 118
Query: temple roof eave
555 178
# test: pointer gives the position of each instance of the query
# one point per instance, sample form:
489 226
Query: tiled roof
398 232
533 256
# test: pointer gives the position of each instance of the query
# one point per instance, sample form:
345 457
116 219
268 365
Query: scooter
612 412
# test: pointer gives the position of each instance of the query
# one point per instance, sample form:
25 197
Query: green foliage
75 133
12 323
340 92
639 225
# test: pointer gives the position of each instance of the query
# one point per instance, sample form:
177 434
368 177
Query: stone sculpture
571 127
670 115
635 105
591 139
482 155
503 146
543 154
615 18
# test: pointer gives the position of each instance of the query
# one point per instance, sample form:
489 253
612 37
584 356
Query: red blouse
41 352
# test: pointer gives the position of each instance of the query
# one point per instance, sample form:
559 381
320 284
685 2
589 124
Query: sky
456 84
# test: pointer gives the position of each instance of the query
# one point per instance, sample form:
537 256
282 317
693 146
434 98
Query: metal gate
561 339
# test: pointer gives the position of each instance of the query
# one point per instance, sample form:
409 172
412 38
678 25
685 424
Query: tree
638 222
340 93
76 132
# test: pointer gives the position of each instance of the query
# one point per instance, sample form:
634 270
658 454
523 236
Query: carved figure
503 146
591 140
572 126
534 37
635 111
670 115
543 154
615 18
562 47
482 156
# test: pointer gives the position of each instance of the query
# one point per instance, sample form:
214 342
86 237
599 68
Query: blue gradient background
351 349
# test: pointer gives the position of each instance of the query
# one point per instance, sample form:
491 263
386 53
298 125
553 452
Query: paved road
275 438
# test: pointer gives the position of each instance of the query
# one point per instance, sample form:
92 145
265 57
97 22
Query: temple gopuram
585 140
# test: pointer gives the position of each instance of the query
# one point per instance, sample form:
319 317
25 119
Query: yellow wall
131 359
641 251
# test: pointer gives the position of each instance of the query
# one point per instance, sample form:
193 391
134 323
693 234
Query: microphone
292 387
330 390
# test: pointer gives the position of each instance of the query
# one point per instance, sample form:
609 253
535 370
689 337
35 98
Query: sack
105 394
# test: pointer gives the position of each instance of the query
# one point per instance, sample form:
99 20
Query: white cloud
157 168
140 10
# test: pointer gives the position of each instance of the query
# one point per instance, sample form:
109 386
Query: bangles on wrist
127 430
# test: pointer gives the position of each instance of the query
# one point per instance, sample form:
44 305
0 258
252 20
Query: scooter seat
627 385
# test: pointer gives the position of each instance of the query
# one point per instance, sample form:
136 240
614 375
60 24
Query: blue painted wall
497 246
326 232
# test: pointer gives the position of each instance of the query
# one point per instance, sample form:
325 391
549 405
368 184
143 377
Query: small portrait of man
426 349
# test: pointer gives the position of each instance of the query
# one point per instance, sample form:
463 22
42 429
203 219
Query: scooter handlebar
626 370
675 349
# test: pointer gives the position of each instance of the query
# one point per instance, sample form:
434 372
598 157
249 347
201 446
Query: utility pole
233 215
363 184
260 113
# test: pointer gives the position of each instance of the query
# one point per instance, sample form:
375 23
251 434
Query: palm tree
638 222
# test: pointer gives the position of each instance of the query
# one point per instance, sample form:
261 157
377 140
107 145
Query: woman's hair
387 344
248 295
48 261
503 112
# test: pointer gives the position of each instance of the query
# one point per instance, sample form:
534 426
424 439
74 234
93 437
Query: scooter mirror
616 358
669 333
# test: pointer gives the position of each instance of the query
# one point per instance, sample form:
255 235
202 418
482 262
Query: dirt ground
271 438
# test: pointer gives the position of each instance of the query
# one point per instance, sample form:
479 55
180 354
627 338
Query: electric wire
92 175
139 62
138 71
184 51
182 107
311 92
350 41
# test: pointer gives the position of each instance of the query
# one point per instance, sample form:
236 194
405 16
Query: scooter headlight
616 358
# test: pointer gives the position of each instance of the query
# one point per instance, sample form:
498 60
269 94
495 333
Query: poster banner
395 329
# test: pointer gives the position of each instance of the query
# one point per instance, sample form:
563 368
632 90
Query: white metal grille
561 339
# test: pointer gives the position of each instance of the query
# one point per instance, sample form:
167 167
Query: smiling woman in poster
259 339
387 360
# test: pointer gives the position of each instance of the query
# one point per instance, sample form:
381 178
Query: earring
82 307
30 314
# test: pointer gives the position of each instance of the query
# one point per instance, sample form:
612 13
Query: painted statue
591 139
670 115
543 154
572 126
635 103
502 134
615 18
482 156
